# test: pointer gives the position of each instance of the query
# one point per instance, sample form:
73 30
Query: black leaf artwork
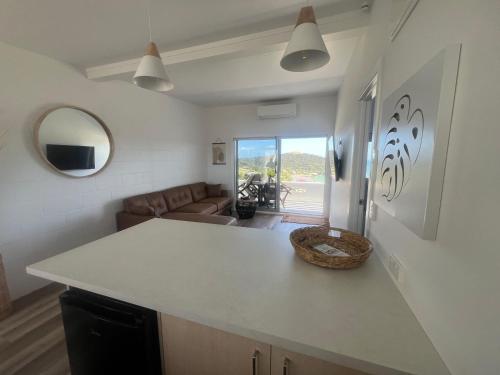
401 147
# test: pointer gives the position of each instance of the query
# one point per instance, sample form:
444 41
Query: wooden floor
32 338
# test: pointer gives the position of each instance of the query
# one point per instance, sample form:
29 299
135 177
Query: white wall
159 140
451 284
315 117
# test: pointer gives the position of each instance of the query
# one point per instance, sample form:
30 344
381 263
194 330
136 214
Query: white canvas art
412 144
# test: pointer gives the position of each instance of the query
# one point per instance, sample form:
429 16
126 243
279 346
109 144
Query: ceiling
93 33
257 77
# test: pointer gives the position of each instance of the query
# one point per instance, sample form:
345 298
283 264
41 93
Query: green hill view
292 164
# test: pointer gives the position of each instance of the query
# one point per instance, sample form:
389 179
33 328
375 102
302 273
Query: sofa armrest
126 220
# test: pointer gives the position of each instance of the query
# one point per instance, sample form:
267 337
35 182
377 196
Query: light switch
396 268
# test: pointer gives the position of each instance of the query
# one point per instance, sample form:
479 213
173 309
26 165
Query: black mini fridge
107 336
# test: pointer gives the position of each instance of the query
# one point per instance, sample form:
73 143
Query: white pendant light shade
151 74
306 50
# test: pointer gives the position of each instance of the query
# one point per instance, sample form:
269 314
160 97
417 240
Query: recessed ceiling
92 33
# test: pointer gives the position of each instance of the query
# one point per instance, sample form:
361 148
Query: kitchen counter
249 282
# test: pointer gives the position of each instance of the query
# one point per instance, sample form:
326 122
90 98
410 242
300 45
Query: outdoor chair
284 189
247 190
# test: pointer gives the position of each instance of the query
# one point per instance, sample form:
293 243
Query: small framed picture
219 153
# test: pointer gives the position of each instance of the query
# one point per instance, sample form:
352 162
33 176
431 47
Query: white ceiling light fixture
151 74
306 50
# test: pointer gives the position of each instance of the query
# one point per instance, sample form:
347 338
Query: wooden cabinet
190 348
284 362
5 303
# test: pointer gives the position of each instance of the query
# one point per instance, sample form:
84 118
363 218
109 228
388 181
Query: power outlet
395 268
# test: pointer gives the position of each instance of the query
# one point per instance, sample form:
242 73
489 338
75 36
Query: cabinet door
284 362
190 348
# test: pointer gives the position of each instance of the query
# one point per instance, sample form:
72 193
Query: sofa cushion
177 197
214 190
198 208
138 205
158 203
221 202
199 191
199 218
151 204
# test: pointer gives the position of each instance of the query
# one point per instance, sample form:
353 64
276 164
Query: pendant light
306 50
151 74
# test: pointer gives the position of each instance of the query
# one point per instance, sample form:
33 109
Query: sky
259 147
314 146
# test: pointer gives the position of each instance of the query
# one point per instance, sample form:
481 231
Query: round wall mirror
73 141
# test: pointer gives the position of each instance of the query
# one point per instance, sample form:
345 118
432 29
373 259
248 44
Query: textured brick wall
159 142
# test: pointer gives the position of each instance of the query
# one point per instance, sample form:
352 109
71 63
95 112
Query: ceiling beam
341 26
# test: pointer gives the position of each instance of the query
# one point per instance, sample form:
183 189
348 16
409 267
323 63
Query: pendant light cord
148 11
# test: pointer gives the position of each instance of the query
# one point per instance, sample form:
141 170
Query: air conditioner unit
277 111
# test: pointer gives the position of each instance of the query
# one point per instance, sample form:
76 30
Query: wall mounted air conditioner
277 111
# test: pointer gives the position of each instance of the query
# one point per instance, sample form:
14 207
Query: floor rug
312 220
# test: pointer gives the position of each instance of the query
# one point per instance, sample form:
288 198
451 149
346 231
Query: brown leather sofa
197 202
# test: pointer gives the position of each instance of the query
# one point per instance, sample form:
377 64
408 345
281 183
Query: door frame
369 103
357 219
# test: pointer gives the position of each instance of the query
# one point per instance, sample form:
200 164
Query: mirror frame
36 139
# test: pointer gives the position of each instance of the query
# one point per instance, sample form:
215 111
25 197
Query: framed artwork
412 144
219 153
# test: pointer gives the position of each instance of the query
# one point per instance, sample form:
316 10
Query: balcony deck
305 198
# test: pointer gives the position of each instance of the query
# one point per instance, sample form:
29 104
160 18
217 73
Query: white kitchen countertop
249 282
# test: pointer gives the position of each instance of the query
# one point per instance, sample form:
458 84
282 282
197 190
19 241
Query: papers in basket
331 251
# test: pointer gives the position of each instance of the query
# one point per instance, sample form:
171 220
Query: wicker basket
358 247
246 208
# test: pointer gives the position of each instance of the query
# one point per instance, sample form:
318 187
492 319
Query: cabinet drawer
190 348
284 362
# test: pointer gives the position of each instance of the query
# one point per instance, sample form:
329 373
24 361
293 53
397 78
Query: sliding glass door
282 174
256 171
302 175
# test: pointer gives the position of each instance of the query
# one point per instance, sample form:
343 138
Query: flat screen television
67 157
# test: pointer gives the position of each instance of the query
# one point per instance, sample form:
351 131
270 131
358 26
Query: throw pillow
214 190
